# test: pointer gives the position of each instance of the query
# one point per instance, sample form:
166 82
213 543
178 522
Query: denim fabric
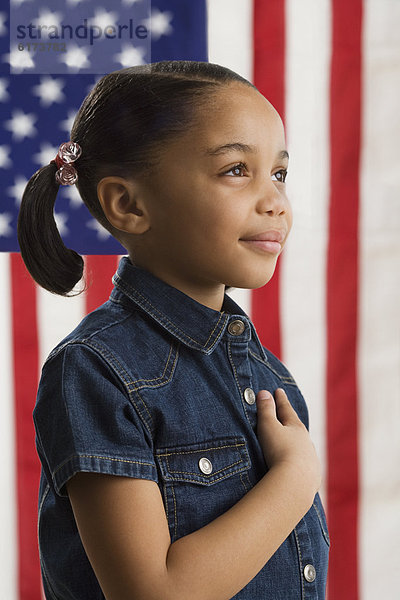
148 386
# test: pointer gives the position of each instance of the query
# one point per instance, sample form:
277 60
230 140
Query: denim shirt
155 385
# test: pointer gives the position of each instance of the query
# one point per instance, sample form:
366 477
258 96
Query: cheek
289 215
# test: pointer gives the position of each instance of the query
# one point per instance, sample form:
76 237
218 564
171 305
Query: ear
123 205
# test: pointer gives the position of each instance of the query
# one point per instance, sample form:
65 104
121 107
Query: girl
176 461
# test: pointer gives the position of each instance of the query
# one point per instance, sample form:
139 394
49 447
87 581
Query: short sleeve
85 421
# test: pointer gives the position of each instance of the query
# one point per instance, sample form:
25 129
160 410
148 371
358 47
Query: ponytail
51 264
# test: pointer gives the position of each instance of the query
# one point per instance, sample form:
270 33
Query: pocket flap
204 463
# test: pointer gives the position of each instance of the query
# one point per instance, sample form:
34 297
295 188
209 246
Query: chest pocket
201 481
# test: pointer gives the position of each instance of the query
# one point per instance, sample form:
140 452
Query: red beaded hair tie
67 154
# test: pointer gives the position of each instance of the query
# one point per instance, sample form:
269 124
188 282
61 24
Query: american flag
331 311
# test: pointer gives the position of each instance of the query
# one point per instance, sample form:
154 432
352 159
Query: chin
252 281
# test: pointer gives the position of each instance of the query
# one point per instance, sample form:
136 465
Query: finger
284 410
266 404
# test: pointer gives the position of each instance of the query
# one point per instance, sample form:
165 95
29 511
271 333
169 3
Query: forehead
241 113
235 112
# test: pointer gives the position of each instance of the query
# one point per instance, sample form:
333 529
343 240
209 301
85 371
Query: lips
267 241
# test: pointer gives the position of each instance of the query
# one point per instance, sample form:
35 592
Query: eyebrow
239 147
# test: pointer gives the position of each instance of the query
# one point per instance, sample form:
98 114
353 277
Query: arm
124 530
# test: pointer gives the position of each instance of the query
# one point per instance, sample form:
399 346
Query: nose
272 199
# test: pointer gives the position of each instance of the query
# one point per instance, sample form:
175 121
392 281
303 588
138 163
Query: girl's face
217 202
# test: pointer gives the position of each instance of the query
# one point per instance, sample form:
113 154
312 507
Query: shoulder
115 329
106 321
118 342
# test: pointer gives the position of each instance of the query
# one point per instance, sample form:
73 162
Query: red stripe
342 299
26 369
269 77
99 271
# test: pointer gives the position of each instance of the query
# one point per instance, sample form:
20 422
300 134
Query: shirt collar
186 319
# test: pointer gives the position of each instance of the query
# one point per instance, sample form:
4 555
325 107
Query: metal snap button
236 327
205 466
310 573
249 396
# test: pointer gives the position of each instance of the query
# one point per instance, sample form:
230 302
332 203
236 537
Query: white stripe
230 43
230 35
303 279
8 521
379 319
57 317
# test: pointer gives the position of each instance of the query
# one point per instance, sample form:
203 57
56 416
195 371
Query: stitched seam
256 339
248 480
321 521
139 387
202 450
234 369
155 378
84 340
113 361
284 378
301 562
237 382
207 483
122 285
175 513
204 474
127 304
149 428
261 360
243 483
123 460
136 389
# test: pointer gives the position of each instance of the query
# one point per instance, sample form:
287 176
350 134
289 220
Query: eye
237 170
280 175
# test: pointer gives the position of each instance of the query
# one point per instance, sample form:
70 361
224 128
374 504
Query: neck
211 295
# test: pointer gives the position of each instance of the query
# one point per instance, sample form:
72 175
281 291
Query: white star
46 154
159 23
103 19
21 125
16 191
47 19
20 60
5 162
18 3
5 227
73 2
130 2
71 193
61 222
66 125
130 56
76 58
49 90
102 234
4 95
3 26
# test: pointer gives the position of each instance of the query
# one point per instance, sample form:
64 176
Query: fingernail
264 395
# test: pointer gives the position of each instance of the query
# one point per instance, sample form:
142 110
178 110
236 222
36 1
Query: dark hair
121 125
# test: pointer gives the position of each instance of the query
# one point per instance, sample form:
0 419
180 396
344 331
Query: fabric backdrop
331 311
